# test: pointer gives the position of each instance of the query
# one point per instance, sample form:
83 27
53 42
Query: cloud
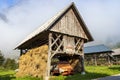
24 18
3 17
101 17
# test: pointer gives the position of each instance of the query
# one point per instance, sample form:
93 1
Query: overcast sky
18 18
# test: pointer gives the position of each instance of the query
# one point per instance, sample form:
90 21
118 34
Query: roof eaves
45 26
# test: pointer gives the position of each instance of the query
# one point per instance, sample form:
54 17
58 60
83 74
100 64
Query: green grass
10 75
92 72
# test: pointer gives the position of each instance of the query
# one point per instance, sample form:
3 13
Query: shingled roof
97 49
46 27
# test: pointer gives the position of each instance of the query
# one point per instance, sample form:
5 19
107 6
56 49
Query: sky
18 18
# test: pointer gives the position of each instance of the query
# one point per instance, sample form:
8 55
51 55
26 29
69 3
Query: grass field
92 72
10 75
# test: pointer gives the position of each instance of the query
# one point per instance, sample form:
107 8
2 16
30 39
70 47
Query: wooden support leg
95 59
49 60
21 51
82 65
109 62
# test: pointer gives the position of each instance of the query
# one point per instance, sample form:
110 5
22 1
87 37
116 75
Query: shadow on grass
115 68
7 77
87 76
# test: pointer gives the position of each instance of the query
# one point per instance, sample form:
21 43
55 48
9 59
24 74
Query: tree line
7 63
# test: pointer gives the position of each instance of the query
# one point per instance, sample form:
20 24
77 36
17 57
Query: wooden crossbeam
58 36
77 42
55 40
79 45
57 49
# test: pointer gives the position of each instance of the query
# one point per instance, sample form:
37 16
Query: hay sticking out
33 62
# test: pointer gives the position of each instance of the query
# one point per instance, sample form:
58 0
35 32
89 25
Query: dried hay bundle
33 62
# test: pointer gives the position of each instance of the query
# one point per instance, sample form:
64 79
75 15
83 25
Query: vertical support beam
49 60
65 43
82 61
21 52
108 59
82 65
95 58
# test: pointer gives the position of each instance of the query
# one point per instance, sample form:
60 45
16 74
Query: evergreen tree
2 59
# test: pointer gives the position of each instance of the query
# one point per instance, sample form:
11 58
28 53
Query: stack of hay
33 62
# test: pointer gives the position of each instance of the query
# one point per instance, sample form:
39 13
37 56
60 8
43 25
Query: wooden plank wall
69 44
70 25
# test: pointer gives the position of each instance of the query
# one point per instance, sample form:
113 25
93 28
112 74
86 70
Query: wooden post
95 59
108 59
21 52
49 59
82 62
82 65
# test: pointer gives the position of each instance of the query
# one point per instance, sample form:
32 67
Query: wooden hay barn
63 35
98 55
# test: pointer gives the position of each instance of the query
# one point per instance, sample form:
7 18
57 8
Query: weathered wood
109 62
21 52
64 34
95 59
56 50
69 25
49 54
69 44
78 41
79 45
55 40
82 63
98 59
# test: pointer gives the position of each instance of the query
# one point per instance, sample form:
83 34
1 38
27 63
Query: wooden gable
69 25
68 21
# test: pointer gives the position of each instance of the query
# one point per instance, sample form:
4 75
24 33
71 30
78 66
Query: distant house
97 55
116 54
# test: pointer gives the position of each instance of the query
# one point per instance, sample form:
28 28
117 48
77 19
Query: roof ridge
43 27
49 24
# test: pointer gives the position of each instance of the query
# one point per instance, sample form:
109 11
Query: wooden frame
57 45
98 59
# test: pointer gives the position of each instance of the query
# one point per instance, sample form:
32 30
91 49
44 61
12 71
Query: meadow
92 72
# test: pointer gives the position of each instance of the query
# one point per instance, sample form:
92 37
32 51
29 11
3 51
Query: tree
10 64
2 59
118 45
